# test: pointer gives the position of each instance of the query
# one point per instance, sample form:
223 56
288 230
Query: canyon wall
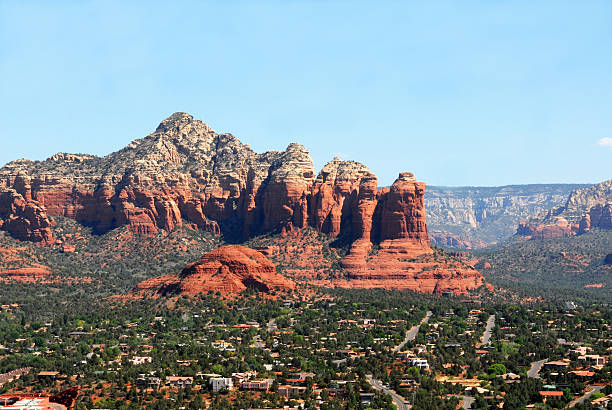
475 217
585 209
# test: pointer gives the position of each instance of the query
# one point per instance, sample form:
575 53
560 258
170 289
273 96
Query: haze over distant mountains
475 217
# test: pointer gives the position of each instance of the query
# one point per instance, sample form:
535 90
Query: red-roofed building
547 394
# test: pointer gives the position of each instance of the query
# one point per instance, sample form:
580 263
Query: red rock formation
561 228
586 208
24 219
228 269
33 272
402 212
186 171
450 240
599 216
337 194
403 258
427 273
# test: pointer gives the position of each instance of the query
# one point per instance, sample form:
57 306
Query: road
412 333
398 400
596 389
467 402
272 325
534 371
486 337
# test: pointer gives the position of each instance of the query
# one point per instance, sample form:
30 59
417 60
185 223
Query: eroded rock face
184 171
396 253
228 269
402 212
585 209
558 228
24 218
393 266
336 195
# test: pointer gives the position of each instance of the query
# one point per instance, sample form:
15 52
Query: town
328 349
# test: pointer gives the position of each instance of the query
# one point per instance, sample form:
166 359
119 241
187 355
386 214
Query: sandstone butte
184 171
586 208
228 269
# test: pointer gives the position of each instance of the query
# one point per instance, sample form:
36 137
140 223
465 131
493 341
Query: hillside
545 266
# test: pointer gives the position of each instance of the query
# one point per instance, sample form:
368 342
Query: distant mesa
229 270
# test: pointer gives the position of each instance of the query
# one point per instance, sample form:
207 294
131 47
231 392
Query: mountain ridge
475 217
186 173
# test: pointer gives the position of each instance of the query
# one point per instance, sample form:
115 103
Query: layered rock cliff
186 172
474 217
395 253
585 208
25 219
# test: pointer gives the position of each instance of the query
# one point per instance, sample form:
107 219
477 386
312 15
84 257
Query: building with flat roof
28 402
221 383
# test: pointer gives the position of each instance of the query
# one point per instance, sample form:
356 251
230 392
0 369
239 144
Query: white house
221 383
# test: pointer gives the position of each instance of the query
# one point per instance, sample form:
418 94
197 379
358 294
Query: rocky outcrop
474 217
24 219
396 254
558 228
401 212
228 269
337 191
447 239
392 267
598 216
184 171
585 209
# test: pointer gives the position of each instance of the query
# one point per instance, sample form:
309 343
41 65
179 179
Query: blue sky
459 92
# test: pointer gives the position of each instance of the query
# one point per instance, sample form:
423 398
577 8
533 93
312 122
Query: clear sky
462 92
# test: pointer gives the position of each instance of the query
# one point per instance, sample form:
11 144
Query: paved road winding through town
596 389
467 402
398 400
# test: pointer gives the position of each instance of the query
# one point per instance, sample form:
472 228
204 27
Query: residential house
262 385
291 391
179 382
221 383
138 360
